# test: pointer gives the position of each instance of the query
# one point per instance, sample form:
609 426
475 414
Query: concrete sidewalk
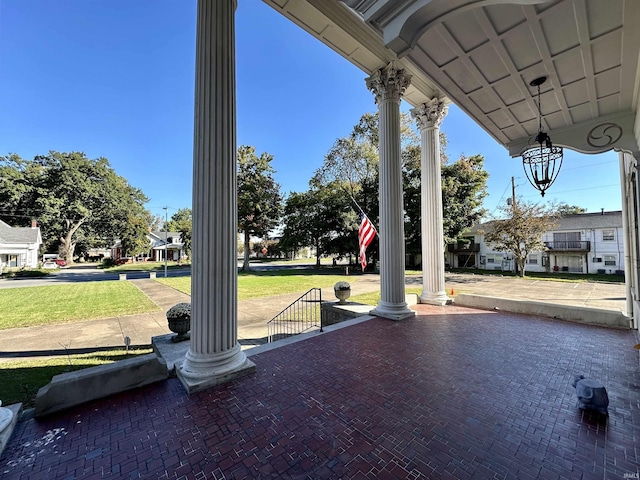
80 337
253 315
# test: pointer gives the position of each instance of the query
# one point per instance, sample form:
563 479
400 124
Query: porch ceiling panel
482 54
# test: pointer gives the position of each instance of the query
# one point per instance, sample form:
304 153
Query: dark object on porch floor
591 394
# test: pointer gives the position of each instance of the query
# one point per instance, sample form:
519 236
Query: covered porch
487 57
451 393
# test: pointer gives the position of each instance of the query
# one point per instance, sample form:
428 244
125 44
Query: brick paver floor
454 393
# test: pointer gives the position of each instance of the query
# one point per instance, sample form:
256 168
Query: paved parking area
453 394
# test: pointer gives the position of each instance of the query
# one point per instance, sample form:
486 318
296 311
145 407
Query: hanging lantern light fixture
542 162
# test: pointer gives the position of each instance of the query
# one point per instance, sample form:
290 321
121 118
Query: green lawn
265 284
29 306
374 297
21 379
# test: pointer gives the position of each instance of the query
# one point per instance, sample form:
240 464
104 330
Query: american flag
366 233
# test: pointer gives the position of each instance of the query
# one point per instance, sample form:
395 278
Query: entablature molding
609 132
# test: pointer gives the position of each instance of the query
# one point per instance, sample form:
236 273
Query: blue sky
115 79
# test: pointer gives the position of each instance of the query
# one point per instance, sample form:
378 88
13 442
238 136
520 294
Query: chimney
34 224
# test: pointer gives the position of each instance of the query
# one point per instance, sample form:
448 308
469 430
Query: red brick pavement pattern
452 394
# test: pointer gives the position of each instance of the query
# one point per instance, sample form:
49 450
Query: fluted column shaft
429 117
388 84
214 352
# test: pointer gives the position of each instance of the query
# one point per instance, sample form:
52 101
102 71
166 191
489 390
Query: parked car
60 262
49 264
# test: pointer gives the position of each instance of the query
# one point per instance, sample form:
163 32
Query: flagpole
362 212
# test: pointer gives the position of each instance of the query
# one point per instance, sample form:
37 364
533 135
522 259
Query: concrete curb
591 316
5 434
74 388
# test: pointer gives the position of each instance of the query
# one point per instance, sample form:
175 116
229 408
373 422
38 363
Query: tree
182 221
464 187
133 237
259 198
179 219
74 198
317 218
565 209
157 223
354 160
521 233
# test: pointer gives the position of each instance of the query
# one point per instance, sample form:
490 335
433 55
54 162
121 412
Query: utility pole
166 250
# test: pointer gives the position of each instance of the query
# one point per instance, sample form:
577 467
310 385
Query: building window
532 259
608 235
494 258
610 260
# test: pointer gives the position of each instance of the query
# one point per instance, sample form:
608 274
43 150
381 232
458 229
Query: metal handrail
302 315
567 245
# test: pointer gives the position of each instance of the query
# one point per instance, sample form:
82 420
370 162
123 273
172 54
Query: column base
393 311
199 372
434 298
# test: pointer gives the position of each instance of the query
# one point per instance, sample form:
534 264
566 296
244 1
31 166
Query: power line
590 165
501 197
580 189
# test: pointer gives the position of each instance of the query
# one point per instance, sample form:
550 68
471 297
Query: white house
19 245
581 243
159 243
173 246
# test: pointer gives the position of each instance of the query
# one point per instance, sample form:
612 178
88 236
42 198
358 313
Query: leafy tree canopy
182 221
322 217
259 198
353 161
73 198
566 209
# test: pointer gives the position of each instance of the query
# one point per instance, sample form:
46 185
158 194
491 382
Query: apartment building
580 243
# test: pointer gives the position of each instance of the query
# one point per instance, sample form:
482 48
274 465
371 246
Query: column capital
430 114
388 83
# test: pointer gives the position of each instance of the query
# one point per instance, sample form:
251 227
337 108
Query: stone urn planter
342 291
179 319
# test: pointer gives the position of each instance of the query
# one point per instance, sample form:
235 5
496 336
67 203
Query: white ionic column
388 84
429 116
214 354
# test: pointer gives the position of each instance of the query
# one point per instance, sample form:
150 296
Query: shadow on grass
299 271
22 379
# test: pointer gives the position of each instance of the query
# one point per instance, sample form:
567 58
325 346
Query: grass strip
20 380
373 298
31 306
266 284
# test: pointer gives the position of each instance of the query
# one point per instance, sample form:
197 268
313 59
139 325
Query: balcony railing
569 246
463 247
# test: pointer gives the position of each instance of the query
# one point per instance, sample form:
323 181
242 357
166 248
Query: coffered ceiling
483 54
